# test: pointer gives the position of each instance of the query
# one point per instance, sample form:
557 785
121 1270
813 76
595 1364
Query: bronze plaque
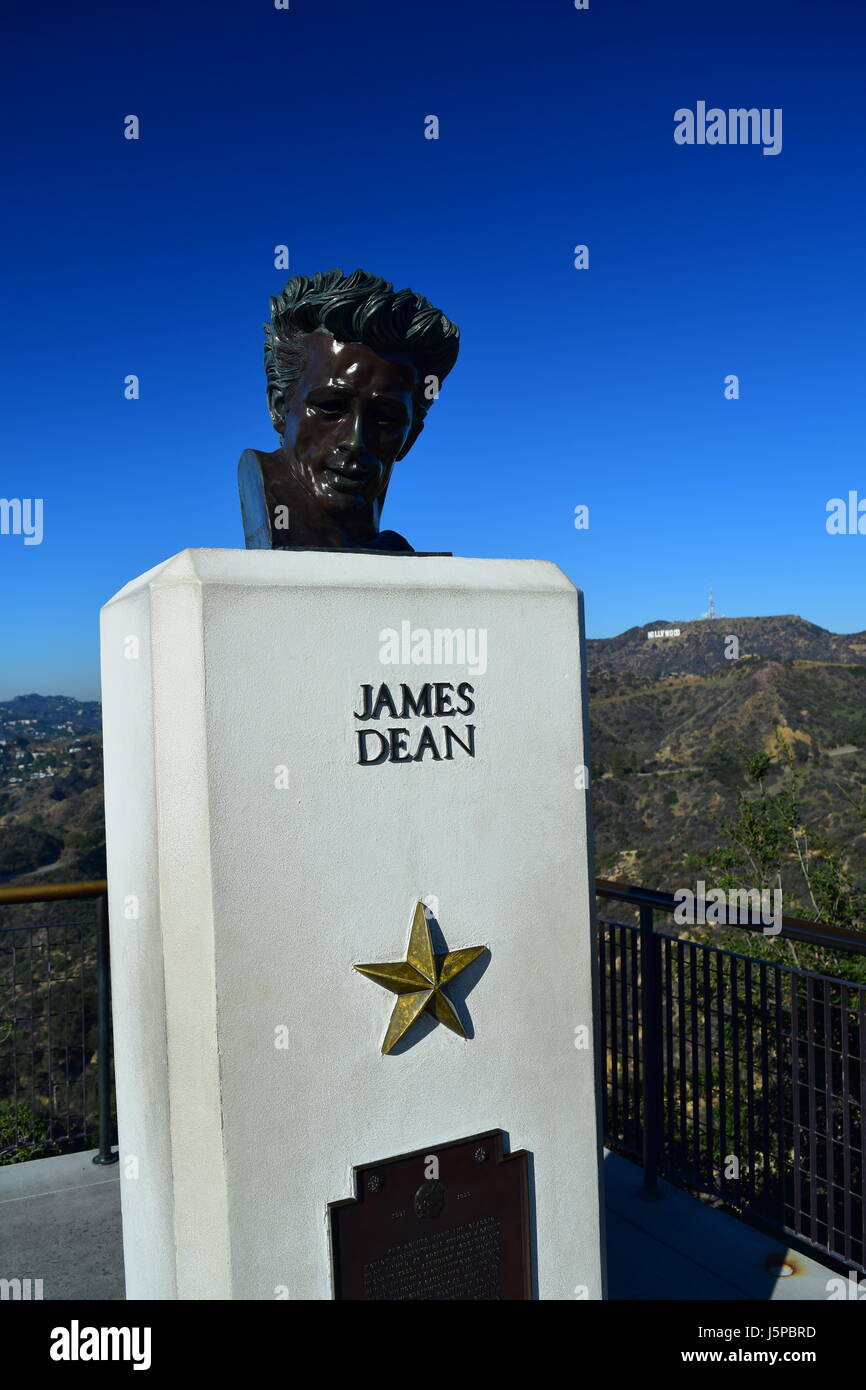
450 1222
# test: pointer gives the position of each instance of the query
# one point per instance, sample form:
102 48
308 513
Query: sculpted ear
417 427
277 409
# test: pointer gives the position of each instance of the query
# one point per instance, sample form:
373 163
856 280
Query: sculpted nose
354 436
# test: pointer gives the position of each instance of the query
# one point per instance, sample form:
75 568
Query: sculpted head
352 367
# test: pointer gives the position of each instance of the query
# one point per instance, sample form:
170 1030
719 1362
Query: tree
767 846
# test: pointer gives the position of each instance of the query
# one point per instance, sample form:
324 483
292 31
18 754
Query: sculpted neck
297 517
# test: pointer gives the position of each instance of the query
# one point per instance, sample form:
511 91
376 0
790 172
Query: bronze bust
352 367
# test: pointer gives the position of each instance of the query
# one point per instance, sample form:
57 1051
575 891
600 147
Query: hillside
51 815
699 650
667 758
671 720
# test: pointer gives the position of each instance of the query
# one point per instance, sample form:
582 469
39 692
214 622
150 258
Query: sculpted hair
356 308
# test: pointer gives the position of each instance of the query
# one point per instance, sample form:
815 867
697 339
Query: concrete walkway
681 1248
60 1222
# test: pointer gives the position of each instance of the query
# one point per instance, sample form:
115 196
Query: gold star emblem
419 979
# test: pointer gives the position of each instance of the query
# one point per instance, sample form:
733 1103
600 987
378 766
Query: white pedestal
252 861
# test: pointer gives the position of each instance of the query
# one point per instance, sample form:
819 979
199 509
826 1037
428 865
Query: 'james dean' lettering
434 700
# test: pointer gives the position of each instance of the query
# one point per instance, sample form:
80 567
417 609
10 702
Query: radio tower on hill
711 611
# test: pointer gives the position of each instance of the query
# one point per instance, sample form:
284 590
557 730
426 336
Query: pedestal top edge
349 570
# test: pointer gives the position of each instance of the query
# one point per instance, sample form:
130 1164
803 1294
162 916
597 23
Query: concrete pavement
60 1222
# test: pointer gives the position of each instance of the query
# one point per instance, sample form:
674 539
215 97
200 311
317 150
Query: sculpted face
350 417
345 411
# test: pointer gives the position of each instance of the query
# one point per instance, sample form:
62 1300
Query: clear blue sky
602 387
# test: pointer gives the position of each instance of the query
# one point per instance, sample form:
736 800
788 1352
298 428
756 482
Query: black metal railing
739 1077
735 1076
55 1027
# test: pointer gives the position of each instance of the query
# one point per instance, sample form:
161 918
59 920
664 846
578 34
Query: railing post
106 1153
651 1053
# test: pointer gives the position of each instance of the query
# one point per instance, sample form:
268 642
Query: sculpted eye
332 406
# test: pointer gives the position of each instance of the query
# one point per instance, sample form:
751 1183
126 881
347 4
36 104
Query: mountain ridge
670 722
703 646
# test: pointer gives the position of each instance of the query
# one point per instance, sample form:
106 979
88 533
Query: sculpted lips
350 477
